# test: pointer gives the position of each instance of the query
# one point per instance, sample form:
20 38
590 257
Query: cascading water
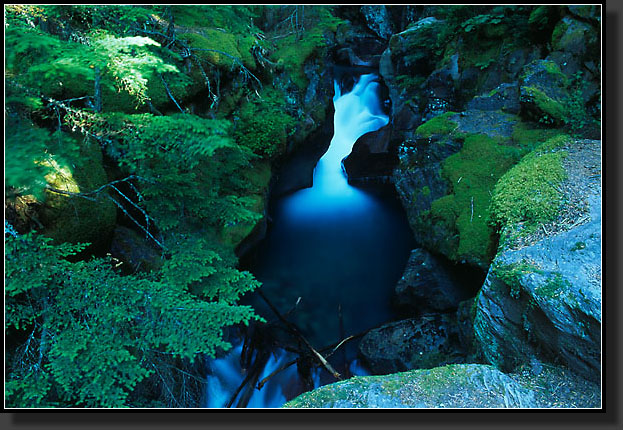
339 248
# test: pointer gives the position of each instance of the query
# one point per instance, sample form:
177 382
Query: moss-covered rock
76 219
442 125
529 194
264 123
542 295
575 37
544 93
452 386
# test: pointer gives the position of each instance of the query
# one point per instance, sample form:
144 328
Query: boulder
371 158
429 197
378 20
413 49
505 98
68 218
456 386
576 37
543 93
542 294
415 343
427 285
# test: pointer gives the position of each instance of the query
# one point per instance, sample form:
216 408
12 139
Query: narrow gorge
300 206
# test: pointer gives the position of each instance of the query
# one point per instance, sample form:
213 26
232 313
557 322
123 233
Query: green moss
76 219
473 173
213 39
296 49
180 85
264 125
528 138
529 193
553 111
511 275
438 125
553 287
559 31
578 246
445 209
425 191
552 68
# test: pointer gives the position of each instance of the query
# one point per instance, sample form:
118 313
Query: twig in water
297 332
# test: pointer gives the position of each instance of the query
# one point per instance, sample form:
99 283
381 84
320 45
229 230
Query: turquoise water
335 244
332 248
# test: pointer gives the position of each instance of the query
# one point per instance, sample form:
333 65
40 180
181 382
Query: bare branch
166 87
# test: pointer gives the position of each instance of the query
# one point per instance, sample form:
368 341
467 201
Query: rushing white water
356 113
349 215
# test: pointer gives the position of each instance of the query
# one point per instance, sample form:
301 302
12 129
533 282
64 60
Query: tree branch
166 87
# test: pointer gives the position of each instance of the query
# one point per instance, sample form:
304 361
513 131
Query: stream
330 259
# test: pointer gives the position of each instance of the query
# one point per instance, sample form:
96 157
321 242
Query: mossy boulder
542 295
414 48
538 385
504 97
575 37
458 158
452 386
74 219
544 94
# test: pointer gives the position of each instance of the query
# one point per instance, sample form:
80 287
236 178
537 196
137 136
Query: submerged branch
297 332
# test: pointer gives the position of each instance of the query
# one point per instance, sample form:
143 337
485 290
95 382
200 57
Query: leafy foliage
95 334
108 104
264 133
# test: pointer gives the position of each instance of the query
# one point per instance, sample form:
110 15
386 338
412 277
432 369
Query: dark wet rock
378 20
136 251
456 386
427 285
371 157
492 123
358 47
505 98
297 169
348 56
465 315
589 13
575 37
439 88
543 297
429 341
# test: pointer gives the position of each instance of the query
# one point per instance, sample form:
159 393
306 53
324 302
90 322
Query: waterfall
334 245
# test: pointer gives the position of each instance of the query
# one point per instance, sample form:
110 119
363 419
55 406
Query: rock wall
542 297
471 95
